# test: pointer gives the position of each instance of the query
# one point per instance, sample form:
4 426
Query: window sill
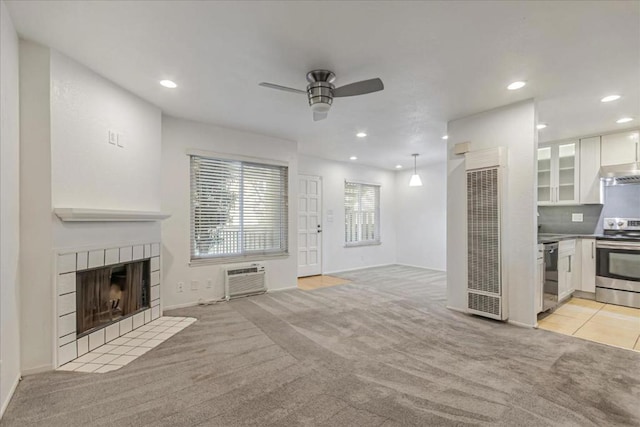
359 245
234 260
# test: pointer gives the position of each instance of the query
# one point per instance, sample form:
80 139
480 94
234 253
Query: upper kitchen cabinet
620 148
590 192
558 174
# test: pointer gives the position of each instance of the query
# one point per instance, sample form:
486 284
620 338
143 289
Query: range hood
627 173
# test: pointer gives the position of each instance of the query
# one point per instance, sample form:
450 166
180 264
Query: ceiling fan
321 90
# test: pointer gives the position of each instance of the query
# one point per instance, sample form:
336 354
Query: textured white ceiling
439 61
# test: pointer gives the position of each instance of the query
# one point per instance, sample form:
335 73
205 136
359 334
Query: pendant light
415 180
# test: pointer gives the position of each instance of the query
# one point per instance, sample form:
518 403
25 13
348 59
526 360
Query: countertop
555 237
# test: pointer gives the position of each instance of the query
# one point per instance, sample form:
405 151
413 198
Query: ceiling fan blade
358 88
284 88
319 116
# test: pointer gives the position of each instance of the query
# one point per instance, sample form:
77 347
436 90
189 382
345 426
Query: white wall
89 172
9 210
335 256
66 161
421 217
512 127
36 288
178 136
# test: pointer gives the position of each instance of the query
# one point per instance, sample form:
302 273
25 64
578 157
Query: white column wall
36 235
512 127
66 111
9 209
89 172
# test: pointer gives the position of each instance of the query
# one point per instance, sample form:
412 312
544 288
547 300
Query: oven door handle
618 245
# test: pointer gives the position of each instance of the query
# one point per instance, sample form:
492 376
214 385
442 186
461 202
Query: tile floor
321 281
127 348
595 321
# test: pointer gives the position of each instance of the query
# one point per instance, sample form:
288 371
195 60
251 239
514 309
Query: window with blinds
238 209
362 214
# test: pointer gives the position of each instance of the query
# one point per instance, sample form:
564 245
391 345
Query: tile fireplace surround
68 346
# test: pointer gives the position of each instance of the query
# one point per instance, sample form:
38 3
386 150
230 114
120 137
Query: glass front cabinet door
558 176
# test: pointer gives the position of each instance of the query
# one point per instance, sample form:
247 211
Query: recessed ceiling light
353 158
168 83
361 134
516 85
624 120
541 126
398 166
610 98
445 137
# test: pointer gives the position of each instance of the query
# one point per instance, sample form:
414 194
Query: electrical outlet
180 286
209 283
577 217
195 285
113 137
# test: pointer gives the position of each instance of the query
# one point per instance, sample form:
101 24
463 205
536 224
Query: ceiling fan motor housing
320 96
320 90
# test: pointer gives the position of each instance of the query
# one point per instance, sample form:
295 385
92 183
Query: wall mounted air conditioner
245 280
486 284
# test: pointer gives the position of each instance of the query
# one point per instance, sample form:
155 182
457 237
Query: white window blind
238 209
362 214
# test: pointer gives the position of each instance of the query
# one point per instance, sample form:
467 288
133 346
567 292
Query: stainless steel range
618 262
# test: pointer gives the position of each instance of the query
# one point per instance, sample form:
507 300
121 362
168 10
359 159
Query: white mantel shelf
106 215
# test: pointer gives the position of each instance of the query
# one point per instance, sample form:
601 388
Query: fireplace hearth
103 294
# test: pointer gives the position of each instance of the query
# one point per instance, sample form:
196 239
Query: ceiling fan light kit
321 90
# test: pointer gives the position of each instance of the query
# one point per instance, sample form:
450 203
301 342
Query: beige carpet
380 351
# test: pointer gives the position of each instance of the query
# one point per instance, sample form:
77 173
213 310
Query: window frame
243 256
376 211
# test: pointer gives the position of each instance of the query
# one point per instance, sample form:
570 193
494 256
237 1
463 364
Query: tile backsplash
619 201
557 219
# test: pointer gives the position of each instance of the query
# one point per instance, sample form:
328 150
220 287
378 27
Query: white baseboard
183 305
357 268
196 303
585 295
459 310
520 324
282 289
12 390
421 266
37 370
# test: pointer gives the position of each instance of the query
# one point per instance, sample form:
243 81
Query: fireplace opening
108 294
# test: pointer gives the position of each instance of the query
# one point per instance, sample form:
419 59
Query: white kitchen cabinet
540 279
620 148
590 187
558 174
587 265
566 255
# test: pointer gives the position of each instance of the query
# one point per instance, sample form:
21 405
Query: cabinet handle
593 250
569 264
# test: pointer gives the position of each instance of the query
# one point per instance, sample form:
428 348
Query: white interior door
309 225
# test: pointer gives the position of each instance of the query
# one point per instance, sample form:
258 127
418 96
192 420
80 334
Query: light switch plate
120 139
113 137
577 217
